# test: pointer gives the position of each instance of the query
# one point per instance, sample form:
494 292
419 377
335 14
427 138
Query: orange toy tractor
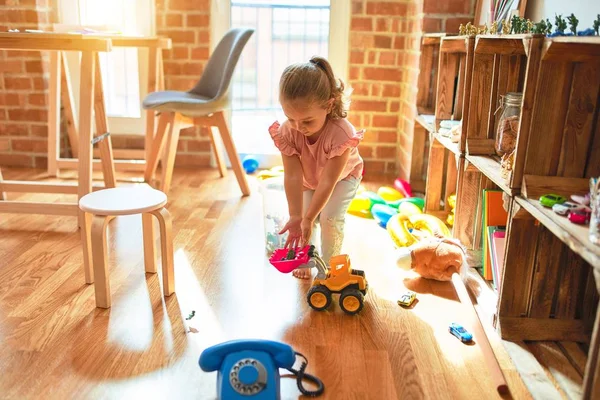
340 278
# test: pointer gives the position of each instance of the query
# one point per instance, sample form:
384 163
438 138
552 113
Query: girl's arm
331 173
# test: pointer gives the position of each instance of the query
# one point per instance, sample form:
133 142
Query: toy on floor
249 369
445 259
340 278
460 332
408 230
407 298
250 164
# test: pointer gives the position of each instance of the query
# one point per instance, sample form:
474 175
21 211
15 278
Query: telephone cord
301 375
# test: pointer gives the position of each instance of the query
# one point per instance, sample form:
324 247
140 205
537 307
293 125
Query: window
123 68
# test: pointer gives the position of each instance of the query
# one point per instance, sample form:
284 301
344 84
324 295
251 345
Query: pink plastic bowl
278 260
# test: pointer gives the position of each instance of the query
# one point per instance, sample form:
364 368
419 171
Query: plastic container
275 212
508 124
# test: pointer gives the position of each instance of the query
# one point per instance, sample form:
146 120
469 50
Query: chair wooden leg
166 248
86 242
171 151
149 239
236 164
158 144
101 282
218 155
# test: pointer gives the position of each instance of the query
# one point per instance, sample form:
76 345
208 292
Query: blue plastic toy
460 332
249 369
250 164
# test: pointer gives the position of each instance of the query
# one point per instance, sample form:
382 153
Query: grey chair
203 105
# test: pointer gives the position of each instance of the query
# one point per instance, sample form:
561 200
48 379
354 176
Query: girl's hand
306 226
295 232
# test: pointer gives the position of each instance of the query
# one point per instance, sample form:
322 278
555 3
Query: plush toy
435 258
445 259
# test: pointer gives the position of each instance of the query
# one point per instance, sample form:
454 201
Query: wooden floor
57 345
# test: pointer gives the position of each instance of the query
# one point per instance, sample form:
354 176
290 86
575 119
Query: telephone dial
249 369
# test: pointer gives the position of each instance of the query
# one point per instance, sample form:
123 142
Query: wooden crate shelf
547 308
428 67
454 81
502 64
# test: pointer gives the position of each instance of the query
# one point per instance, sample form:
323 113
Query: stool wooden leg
101 284
166 248
234 159
149 238
86 243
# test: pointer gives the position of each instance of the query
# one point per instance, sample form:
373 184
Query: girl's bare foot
302 273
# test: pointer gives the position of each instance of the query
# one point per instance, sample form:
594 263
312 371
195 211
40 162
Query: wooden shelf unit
446 158
427 90
551 278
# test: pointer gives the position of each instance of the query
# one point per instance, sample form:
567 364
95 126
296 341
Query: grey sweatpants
332 218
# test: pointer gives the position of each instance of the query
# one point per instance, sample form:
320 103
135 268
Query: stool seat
123 201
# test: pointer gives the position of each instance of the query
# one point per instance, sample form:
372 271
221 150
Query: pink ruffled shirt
337 136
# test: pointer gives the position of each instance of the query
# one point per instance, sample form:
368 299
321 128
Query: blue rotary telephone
249 369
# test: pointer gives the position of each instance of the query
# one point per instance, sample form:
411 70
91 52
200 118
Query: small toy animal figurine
529 26
494 27
506 27
461 30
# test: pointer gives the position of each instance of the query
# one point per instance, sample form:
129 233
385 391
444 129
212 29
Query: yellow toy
452 203
389 194
422 225
338 278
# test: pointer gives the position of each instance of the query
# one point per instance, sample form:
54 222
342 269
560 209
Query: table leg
153 78
54 112
105 145
86 105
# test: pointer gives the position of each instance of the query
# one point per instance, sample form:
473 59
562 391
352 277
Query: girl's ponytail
340 102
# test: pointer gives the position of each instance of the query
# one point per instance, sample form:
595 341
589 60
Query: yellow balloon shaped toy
389 194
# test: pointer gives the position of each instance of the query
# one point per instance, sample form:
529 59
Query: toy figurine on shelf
573 21
540 28
516 24
462 30
494 28
597 25
561 25
506 27
529 26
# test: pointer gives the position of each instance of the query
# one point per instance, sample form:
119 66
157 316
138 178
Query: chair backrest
216 78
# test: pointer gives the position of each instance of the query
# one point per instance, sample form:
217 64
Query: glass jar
275 213
508 124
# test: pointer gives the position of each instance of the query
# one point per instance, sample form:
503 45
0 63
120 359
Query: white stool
99 208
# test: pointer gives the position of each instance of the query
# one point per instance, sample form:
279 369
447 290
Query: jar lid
514 98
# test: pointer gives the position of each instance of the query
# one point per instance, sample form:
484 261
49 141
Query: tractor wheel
351 301
319 297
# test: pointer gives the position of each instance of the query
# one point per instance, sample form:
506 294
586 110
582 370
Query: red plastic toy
280 260
403 187
580 216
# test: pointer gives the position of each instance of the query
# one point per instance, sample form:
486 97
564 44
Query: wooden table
89 48
135 160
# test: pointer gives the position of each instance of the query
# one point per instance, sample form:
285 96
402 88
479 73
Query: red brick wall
187 23
384 67
23 87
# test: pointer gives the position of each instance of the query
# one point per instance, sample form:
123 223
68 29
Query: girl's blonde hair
315 82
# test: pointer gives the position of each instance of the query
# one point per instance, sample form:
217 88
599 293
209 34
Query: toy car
580 216
548 200
564 208
460 332
407 299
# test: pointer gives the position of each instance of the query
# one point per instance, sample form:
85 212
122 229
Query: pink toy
403 187
279 259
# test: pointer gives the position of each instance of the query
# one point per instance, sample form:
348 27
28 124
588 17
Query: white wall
586 11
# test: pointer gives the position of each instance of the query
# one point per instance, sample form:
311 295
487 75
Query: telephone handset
250 368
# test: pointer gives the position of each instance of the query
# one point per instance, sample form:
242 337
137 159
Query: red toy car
580 216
